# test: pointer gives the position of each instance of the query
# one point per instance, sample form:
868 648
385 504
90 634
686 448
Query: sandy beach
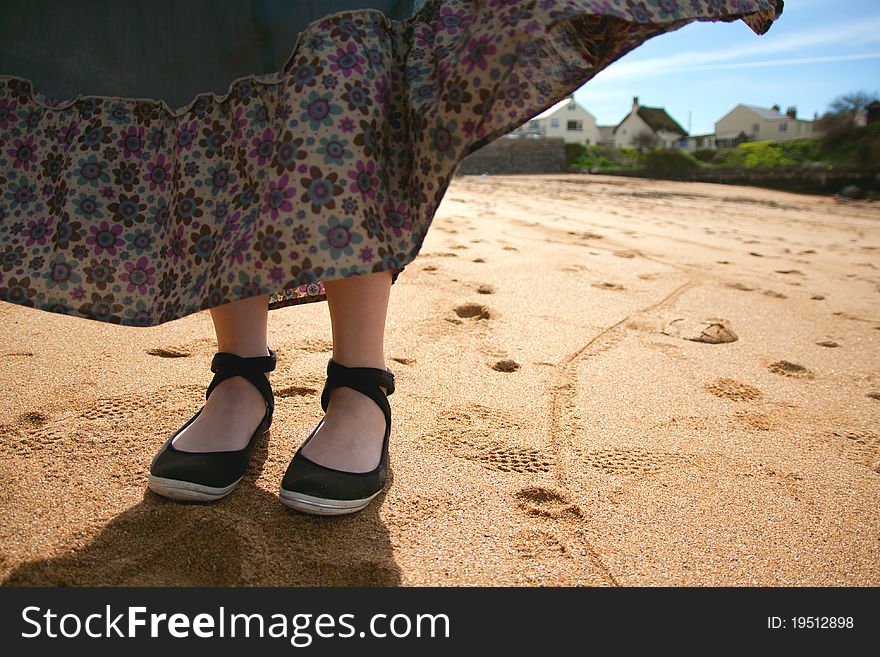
555 421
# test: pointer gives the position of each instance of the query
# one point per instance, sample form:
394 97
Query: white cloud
855 33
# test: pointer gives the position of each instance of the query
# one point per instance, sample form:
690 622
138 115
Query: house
565 119
648 123
699 142
753 123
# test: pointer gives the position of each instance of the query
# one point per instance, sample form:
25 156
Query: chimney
635 104
791 112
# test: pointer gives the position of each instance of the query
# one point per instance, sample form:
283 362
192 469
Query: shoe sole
188 491
320 506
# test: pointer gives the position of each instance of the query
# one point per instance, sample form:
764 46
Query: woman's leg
235 406
350 438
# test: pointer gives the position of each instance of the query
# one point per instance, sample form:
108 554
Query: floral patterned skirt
138 205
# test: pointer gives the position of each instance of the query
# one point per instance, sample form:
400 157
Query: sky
814 52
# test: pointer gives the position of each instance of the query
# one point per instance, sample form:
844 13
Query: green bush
853 145
633 155
705 154
753 154
597 157
800 151
670 161
574 150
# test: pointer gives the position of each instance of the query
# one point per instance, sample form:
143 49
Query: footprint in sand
477 310
532 543
117 408
492 455
789 271
605 285
403 361
485 288
169 352
817 297
32 419
739 286
636 461
478 260
429 268
758 421
873 395
627 253
828 343
774 294
510 248
733 389
858 445
547 502
469 433
295 391
506 365
787 368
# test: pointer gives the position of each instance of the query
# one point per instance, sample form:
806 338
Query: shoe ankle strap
226 365
366 380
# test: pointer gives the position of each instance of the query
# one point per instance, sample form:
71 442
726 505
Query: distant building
872 112
566 119
652 121
698 142
753 123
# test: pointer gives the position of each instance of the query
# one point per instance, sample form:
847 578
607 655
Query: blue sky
816 51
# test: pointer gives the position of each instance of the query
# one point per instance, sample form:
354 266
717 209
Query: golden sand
558 419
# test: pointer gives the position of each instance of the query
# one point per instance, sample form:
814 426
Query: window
756 128
783 127
554 123
575 125
571 106
536 123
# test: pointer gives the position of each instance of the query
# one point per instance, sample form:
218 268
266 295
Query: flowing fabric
158 158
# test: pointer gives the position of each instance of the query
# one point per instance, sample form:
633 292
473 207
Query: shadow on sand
247 539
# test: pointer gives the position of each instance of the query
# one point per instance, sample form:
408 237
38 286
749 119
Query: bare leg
350 438
235 406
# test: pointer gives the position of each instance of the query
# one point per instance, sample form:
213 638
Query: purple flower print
37 231
397 218
7 111
105 238
138 275
176 246
477 49
24 153
347 60
667 7
363 179
67 135
238 122
450 21
262 147
186 136
158 173
276 199
132 142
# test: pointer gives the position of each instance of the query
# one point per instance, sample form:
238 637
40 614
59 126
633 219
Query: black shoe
314 488
209 476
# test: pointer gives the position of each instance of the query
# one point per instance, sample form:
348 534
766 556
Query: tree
843 110
645 141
